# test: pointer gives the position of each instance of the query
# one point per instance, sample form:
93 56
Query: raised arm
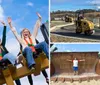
4 34
69 60
82 60
14 31
37 26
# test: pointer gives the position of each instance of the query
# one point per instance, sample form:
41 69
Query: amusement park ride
11 73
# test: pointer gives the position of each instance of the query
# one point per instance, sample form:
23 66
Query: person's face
75 58
26 33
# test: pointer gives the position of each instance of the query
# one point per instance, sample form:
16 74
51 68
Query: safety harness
0 54
31 45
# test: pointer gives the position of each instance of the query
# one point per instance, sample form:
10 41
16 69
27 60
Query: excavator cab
84 25
68 18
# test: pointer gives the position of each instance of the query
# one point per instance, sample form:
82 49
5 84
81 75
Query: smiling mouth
26 35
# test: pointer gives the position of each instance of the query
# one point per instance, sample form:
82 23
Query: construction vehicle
68 19
11 73
84 25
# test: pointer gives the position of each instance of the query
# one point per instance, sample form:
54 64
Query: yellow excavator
68 19
84 25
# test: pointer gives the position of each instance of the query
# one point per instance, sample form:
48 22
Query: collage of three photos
50 42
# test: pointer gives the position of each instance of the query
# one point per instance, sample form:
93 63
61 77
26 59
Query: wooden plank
38 66
8 77
45 62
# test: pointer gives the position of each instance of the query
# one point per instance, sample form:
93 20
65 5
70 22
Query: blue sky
23 13
74 4
77 47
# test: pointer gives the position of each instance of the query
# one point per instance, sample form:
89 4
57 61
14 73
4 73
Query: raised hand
9 20
3 22
39 15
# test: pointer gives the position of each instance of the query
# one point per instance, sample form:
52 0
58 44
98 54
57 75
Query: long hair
23 31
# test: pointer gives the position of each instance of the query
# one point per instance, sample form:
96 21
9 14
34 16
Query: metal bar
45 33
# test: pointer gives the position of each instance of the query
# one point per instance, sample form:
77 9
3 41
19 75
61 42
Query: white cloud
96 3
40 37
2 16
68 51
29 4
93 2
98 7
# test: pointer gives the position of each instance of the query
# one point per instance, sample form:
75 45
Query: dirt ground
57 38
92 82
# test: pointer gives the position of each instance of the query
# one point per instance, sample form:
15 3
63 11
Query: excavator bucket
62 66
97 68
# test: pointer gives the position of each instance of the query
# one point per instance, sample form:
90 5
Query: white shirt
75 63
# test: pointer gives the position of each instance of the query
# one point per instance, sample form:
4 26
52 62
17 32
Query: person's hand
19 59
9 20
39 15
83 59
3 22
